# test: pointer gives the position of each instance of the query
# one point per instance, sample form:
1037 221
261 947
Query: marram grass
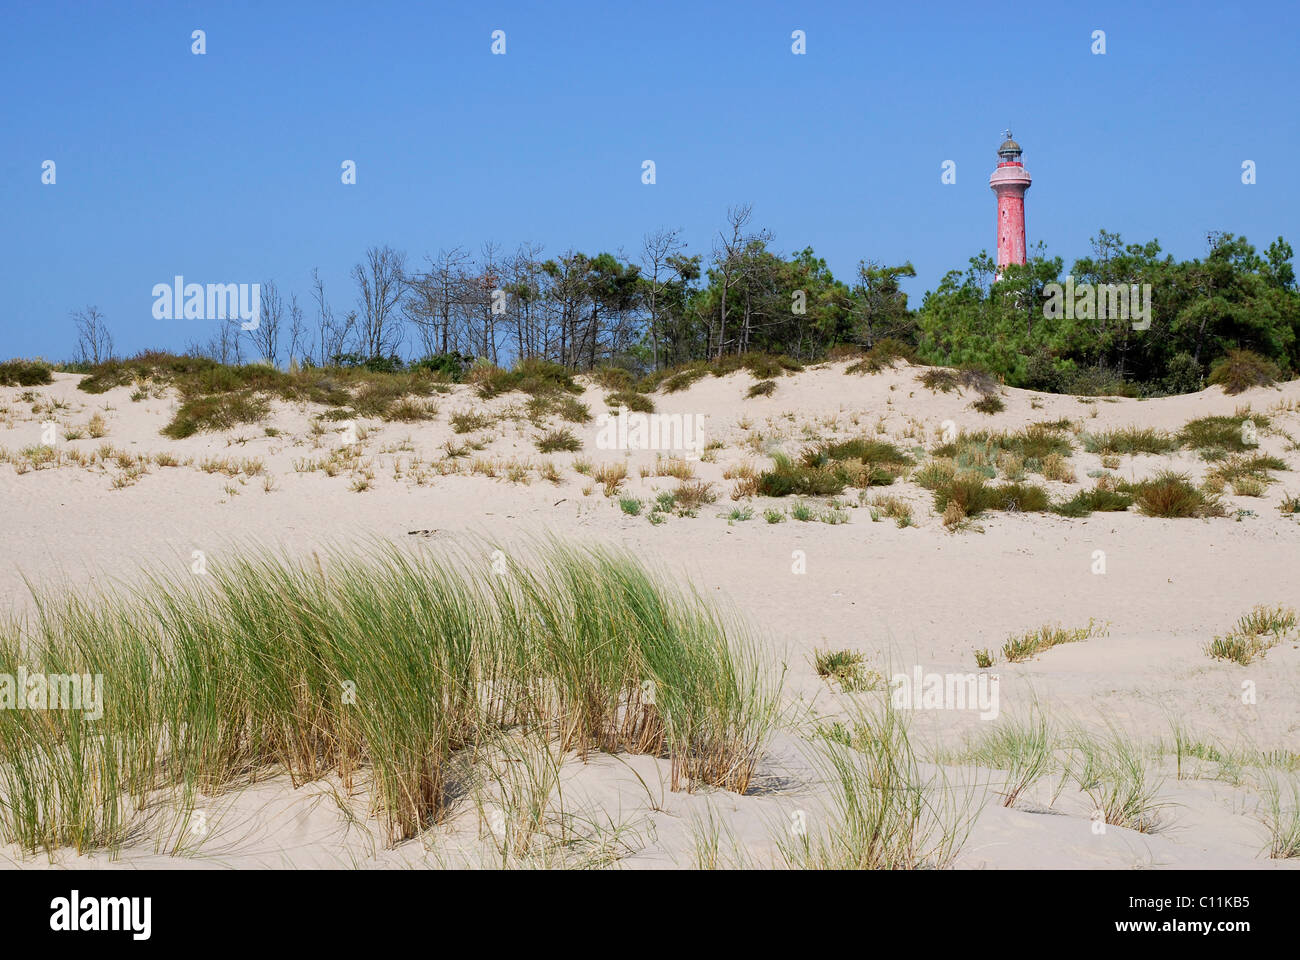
388 668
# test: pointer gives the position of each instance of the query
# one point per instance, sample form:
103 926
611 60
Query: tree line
664 307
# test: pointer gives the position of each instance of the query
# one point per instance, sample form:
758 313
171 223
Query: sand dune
902 596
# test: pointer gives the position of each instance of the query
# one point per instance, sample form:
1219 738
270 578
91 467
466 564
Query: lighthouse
1010 181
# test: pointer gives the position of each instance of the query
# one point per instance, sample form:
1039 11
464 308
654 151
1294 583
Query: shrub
977 378
844 351
558 440
1085 502
1130 440
787 478
1043 372
965 494
218 412
452 366
764 388
1251 469
1239 370
885 353
1223 432
763 366
990 404
827 468
1036 442
935 473
531 376
1183 374
613 378
1020 498
25 373
684 378
866 450
1172 495
939 379
636 402
572 410
968 495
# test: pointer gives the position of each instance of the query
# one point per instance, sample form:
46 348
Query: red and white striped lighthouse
1010 181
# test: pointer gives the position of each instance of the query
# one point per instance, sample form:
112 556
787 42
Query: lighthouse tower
1010 181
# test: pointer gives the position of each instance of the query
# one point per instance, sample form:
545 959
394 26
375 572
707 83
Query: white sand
919 595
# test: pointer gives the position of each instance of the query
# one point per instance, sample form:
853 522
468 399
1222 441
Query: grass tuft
1253 635
386 668
1172 495
557 441
1034 642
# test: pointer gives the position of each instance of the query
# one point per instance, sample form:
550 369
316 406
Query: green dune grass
382 666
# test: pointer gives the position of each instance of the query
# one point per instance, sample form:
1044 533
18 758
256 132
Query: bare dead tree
297 331
265 337
381 285
728 254
436 301
94 342
333 335
223 346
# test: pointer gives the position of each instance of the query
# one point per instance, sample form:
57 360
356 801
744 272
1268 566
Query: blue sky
226 167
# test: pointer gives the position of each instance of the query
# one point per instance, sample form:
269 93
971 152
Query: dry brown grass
693 495
676 467
610 476
1057 467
